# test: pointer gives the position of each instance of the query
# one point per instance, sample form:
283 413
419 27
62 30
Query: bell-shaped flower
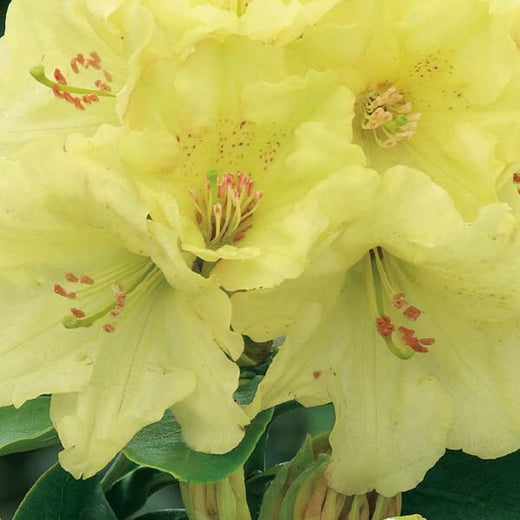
421 74
243 148
63 59
409 323
100 309
70 65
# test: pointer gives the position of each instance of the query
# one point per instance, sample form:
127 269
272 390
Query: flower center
388 115
225 208
394 313
78 96
105 295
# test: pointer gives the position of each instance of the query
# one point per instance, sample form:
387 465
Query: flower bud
300 491
221 500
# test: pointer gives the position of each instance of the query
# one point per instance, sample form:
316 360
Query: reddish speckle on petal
316 374
71 277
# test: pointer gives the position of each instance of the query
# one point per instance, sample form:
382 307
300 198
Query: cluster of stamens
85 288
387 327
77 96
225 208
388 115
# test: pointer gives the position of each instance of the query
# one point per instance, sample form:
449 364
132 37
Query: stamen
388 301
71 277
114 294
87 280
388 115
58 289
224 209
77 96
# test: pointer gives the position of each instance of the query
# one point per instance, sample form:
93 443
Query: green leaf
161 446
131 492
58 496
26 428
462 487
166 514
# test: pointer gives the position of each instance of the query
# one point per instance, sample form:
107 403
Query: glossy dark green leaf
166 514
58 496
463 487
161 446
131 492
26 428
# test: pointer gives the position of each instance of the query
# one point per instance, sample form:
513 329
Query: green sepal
26 428
275 494
131 492
300 490
56 495
162 447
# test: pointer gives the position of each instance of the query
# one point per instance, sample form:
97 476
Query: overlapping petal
79 249
439 61
52 35
285 133
395 416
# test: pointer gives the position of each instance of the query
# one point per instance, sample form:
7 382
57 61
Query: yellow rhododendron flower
64 44
102 310
408 322
244 150
424 98
70 63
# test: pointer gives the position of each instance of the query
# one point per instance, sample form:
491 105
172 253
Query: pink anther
59 77
71 277
384 324
399 301
78 313
57 92
408 338
101 85
58 289
87 280
412 313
